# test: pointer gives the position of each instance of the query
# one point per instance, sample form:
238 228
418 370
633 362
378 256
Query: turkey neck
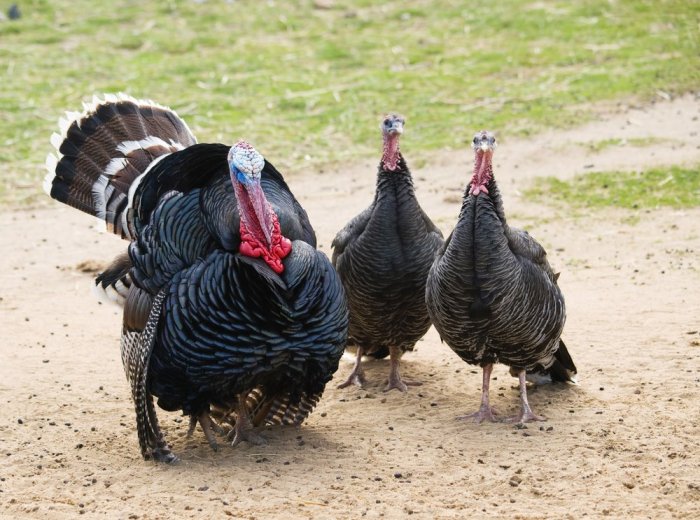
391 156
479 242
396 208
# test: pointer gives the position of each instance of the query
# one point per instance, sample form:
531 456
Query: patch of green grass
672 187
308 85
598 146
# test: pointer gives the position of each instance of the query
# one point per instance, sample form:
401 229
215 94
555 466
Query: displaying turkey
227 302
383 256
491 293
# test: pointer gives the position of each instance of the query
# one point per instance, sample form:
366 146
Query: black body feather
492 294
383 256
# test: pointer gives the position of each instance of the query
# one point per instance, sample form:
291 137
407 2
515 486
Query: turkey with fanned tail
492 294
227 303
383 256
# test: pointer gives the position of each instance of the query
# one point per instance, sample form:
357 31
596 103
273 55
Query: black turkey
227 301
492 294
383 256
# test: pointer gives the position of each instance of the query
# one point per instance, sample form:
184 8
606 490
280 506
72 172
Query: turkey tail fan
279 409
102 151
114 283
285 410
563 370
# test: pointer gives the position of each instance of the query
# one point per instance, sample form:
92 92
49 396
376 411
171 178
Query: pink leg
357 376
526 413
243 429
485 412
395 380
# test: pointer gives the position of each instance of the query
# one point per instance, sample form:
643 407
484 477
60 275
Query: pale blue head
392 125
245 163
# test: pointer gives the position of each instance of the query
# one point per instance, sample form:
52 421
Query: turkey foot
400 384
395 380
357 376
485 412
162 453
209 427
243 429
526 413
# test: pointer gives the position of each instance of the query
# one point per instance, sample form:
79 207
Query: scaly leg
526 413
357 376
485 412
395 380
243 429
209 427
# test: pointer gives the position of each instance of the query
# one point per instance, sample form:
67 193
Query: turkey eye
476 140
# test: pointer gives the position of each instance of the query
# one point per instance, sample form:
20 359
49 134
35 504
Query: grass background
671 187
307 81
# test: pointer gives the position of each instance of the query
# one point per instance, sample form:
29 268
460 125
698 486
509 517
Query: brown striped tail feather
102 152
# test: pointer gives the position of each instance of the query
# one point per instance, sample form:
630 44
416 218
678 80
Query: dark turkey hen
383 256
227 301
491 293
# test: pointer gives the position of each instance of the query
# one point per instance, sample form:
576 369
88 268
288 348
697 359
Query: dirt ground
622 444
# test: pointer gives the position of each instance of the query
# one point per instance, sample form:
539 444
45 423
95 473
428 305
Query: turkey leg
395 380
526 413
485 412
357 376
243 429
208 427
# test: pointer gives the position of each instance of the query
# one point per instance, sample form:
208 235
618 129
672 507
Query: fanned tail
269 410
102 152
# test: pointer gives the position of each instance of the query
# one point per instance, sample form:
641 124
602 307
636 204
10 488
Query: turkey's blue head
260 228
392 128
483 144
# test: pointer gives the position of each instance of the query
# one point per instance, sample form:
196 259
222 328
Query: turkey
383 256
492 294
227 302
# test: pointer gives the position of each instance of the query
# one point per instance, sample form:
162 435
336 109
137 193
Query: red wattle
281 246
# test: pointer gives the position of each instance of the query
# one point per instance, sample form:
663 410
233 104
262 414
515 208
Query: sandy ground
623 443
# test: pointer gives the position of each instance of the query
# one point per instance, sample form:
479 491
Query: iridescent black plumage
383 256
491 292
202 324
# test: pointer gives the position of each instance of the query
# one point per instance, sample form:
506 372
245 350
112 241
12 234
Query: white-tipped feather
115 165
47 185
56 141
124 217
51 162
137 180
127 147
101 226
99 202
108 295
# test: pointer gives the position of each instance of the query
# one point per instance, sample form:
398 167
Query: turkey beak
396 128
258 201
486 147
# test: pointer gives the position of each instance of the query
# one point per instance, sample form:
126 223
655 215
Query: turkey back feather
101 152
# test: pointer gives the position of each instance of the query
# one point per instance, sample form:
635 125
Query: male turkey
383 256
227 301
491 293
